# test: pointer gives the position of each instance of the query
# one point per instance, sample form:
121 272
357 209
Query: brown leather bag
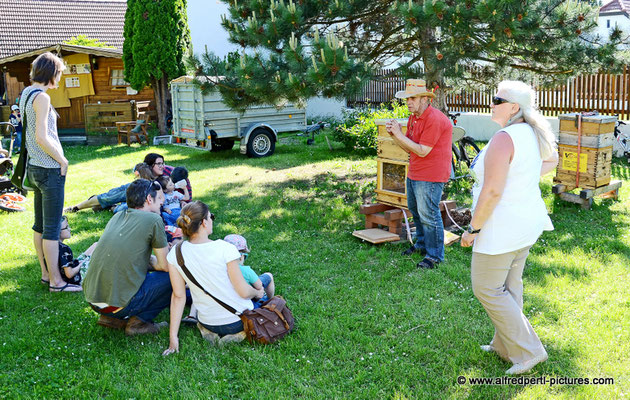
272 321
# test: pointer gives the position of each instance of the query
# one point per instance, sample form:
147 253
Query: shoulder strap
25 117
180 261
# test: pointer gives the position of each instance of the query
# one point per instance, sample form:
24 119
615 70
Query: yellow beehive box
392 167
595 154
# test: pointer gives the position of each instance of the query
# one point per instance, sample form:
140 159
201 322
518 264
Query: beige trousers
497 282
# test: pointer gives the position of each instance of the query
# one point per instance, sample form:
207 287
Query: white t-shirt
172 200
520 216
207 262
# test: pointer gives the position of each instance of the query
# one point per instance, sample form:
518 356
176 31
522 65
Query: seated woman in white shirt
214 265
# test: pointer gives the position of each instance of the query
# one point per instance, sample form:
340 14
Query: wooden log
590 193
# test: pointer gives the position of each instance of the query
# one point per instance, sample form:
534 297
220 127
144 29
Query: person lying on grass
113 198
71 269
159 168
121 284
214 265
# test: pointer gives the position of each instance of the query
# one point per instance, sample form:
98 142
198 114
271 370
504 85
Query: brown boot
111 322
136 326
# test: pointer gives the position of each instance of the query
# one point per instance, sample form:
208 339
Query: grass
369 324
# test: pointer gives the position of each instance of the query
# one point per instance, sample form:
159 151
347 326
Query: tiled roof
616 6
31 24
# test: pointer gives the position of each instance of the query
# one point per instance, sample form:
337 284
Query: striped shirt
36 155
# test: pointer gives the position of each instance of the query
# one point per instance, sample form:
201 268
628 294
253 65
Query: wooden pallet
585 197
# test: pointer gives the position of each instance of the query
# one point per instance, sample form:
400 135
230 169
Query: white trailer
206 122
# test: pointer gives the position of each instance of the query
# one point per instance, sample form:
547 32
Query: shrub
358 131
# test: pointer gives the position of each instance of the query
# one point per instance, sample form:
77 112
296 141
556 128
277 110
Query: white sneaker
233 338
487 348
526 366
208 335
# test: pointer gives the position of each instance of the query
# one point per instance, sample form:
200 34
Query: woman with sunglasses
214 264
509 215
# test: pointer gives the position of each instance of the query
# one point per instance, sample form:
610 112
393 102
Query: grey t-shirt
120 262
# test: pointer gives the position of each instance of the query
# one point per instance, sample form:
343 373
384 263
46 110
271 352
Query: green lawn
369 325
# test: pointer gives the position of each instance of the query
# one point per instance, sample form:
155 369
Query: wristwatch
471 230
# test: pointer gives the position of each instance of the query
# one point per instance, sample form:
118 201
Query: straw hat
414 88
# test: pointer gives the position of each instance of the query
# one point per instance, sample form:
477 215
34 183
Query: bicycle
464 150
623 139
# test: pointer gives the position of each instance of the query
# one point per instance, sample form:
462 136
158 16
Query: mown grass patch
369 324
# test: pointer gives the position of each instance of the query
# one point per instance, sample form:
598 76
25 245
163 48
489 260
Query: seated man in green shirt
120 284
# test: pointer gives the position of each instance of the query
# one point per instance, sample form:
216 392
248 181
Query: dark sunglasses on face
155 186
498 100
244 255
211 216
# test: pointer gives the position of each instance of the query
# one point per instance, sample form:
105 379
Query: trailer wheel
260 144
222 144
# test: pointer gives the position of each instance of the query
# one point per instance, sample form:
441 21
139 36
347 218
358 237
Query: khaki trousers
497 282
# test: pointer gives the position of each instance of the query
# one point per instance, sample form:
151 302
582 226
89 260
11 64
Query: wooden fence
606 93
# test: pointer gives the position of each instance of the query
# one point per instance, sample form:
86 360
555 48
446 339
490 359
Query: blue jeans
171 219
423 200
227 329
49 192
17 144
153 296
113 196
265 280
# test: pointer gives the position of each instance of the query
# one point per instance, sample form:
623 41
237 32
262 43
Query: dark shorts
48 205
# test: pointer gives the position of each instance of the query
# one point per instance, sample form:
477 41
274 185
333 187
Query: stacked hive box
595 153
392 167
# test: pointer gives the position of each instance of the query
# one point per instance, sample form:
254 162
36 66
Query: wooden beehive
392 167
595 155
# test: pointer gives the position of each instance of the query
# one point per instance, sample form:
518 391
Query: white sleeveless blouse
520 216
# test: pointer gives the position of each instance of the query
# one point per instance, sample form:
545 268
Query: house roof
616 7
26 25
63 48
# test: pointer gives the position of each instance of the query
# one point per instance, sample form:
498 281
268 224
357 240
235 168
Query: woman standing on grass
47 167
215 266
509 215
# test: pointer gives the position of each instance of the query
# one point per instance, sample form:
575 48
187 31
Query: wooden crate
595 155
103 117
392 167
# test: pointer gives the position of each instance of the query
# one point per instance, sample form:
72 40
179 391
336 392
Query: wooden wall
73 117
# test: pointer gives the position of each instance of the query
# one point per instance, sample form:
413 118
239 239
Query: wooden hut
93 94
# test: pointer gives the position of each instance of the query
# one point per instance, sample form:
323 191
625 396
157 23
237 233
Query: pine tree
156 40
295 49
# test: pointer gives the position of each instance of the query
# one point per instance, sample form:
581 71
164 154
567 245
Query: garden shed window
117 79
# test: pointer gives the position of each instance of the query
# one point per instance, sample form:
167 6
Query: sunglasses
498 100
245 255
211 216
153 186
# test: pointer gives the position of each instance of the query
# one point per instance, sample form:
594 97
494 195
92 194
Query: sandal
44 282
15 197
71 209
427 263
65 288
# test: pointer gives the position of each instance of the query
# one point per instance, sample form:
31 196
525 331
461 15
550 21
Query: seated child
264 281
181 174
72 268
172 206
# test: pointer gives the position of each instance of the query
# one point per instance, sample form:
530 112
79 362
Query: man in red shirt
428 141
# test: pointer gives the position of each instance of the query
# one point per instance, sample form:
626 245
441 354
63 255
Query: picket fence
606 93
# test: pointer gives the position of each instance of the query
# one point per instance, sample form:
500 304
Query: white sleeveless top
36 155
520 216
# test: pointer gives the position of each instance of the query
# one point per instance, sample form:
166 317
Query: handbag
19 178
267 324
